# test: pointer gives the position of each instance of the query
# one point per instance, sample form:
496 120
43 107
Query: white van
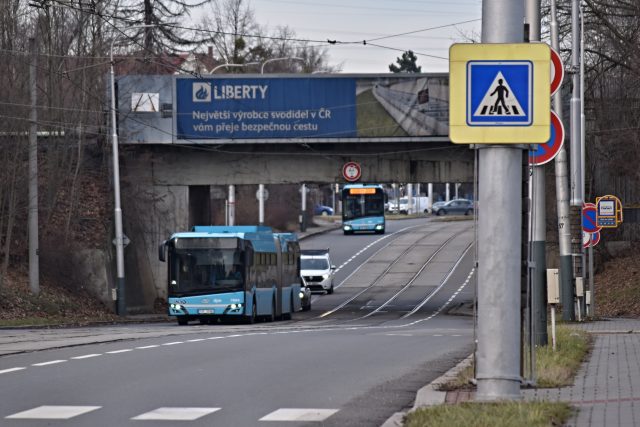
420 204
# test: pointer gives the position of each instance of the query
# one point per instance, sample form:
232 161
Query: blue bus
244 273
363 208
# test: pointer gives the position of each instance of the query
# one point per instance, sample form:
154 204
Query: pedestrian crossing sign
499 93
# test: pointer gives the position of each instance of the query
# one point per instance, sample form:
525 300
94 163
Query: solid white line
86 356
6 371
119 351
52 362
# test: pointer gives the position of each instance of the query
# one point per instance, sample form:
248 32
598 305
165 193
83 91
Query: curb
429 395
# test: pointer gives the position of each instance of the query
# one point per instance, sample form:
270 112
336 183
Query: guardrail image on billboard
252 108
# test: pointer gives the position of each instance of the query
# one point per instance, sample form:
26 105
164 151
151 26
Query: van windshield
314 264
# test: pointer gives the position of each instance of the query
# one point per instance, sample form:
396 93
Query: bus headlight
347 228
379 227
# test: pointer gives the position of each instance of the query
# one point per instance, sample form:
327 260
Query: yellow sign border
539 132
618 210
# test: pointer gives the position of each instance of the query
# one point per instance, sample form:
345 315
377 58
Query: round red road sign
548 151
557 71
351 171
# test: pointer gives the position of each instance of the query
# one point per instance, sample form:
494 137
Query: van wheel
468 212
330 291
183 320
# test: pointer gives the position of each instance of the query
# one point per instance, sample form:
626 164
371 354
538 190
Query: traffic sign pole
499 253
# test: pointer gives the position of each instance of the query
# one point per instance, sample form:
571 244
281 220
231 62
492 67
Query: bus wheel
287 316
271 317
254 314
183 320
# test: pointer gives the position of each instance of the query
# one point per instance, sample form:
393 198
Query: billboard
312 108
296 108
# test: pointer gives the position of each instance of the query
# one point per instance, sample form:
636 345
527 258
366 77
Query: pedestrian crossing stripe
53 412
500 93
499 100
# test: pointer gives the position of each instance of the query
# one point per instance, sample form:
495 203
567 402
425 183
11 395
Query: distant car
419 204
322 210
316 269
455 206
305 295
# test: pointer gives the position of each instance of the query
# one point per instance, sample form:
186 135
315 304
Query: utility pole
260 204
34 261
537 218
499 241
232 205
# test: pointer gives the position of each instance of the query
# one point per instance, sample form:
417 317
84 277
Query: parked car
305 295
455 206
316 269
322 210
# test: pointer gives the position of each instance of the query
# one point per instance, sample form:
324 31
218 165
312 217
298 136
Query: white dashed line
173 343
124 350
196 340
293 414
57 412
51 362
176 414
6 371
147 346
86 356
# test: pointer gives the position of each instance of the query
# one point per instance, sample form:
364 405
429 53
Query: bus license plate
205 311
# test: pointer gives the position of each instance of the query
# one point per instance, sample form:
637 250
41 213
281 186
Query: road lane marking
6 371
86 356
196 340
51 362
124 350
176 414
147 346
294 414
173 343
53 412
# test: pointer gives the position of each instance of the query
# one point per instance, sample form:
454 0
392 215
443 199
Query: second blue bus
363 208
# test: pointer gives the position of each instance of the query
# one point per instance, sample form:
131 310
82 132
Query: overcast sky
357 20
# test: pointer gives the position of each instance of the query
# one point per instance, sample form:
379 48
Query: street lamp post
119 240
297 58
216 68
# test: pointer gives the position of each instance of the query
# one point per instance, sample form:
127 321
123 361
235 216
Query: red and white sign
590 239
589 218
351 171
557 71
549 150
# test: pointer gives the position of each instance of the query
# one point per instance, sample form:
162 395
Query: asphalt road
356 358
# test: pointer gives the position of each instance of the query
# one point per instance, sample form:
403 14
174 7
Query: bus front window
198 271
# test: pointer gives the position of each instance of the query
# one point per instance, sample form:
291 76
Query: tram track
375 286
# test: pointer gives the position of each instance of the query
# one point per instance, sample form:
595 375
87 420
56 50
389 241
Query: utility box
588 297
579 286
553 286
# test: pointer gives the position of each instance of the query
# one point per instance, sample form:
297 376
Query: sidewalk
606 391
318 226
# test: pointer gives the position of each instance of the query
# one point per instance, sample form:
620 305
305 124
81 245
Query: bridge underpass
177 161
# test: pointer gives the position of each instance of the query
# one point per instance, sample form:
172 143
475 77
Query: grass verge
500 414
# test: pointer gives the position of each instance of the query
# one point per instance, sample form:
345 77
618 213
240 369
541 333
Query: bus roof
347 186
261 237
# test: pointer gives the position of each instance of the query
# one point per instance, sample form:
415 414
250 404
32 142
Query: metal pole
499 241
582 145
232 205
592 308
448 193
537 218
116 195
577 196
409 198
562 198
419 207
303 208
261 204
430 194
34 261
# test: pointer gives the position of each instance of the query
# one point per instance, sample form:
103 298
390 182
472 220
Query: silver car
455 206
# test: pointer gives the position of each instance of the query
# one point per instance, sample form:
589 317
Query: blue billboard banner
265 108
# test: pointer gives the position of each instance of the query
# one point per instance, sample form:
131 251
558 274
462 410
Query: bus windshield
361 205
204 270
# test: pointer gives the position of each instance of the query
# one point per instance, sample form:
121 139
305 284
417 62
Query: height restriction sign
499 93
